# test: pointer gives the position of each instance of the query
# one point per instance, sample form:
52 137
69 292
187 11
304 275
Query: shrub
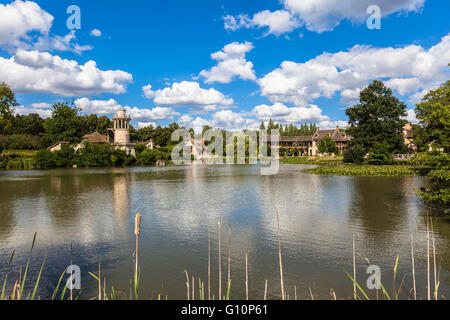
44 159
355 154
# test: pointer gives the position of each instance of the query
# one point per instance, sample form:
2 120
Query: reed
413 268
354 267
246 276
209 263
137 232
220 263
280 257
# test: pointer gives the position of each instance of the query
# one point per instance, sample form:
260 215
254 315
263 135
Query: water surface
95 208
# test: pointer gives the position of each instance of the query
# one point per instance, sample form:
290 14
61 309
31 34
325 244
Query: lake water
95 209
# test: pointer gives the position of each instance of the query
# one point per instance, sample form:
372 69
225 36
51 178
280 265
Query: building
120 134
309 145
408 135
94 138
58 146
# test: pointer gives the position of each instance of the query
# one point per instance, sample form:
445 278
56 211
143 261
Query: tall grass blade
2 297
26 269
39 276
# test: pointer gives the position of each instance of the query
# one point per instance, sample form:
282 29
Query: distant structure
309 145
120 134
408 135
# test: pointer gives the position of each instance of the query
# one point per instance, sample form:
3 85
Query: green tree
327 145
65 124
7 104
434 115
376 123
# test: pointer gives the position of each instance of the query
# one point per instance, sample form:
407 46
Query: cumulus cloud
325 15
42 109
224 119
110 107
96 33
285 115
25 25
317 15
408 70
411 116
187 93
277 22
232 64
41 72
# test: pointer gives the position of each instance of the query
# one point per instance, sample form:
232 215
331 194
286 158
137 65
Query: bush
44 159
20 142
379 154
355 154
150 157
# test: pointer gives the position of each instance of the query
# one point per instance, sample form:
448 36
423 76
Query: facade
120 134
309 145
94 138
57 146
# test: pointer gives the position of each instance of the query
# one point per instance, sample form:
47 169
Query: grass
18 290
366 170
312 160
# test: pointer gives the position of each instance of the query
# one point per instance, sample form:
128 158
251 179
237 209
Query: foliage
327 145
64 125
365 170
7 104
150 157
378 118
20 142
379 154
434 115
312 160
355 154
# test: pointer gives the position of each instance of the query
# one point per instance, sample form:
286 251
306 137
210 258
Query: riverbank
324 160
368 170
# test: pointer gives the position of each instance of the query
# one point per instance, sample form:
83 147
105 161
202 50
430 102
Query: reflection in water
95 209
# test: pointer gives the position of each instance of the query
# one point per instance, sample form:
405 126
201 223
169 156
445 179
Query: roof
95 138
57 144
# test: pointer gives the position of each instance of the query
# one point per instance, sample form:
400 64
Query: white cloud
328 125
325 15
24 25
96 33
411 116
277 22
100 107
187 93
296 115
110 107
146 124
42 109
408 70
317 15
41 72
20 18
232 63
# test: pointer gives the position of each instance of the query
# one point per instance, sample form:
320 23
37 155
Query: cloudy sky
225 63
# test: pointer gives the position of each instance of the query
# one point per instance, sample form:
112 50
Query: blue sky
229 64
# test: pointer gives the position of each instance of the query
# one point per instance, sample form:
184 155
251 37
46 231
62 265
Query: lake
94 209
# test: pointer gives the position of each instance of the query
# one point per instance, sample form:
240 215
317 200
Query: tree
64 125
7 104
355 154
376 123
434 115
327 145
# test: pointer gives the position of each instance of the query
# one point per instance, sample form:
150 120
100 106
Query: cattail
137 224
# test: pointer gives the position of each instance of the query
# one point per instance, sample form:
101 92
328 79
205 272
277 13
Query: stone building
120 133
309 145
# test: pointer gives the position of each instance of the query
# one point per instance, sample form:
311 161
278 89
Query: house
94 138
309 145
58 146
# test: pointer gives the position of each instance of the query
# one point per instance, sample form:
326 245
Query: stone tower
121 133
121 128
